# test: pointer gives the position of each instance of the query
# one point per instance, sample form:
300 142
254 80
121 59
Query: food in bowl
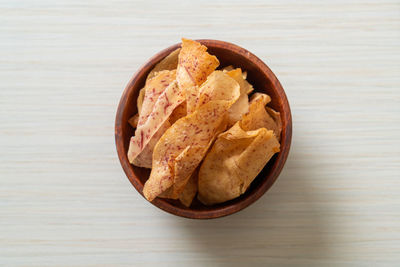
201 130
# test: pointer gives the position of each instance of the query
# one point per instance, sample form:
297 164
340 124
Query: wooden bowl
263 80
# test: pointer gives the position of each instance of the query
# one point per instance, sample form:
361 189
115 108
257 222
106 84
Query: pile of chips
198 131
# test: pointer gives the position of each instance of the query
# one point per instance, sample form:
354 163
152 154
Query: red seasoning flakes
152 124
194 66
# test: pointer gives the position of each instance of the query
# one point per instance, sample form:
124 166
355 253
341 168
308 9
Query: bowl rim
267 182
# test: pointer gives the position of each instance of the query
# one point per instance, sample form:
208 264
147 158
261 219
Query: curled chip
258 117
156 109
179 112
170 62
218 86
133 121
184 144
276 125
185 138
194 65
140 99
233 162
190 190
241 106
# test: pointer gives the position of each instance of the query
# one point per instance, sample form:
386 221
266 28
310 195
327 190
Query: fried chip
188 138
194 65
190 190
277 125
133 121
155 113
179 112
233 162
217 86
153 89
170 62
145 157
140 99
258 117
228 68
241 106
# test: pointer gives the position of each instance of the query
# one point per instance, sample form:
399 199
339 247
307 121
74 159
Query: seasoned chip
170 62
140 99
258 116
276 126
218 86
233 162
179 112
241 106
153 89
227 68
190 191
155 112
133 121
144 159
194 65
191 136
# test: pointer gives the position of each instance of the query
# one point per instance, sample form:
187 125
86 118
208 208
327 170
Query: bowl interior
262 79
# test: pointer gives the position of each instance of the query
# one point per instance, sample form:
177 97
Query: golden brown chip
157 106
277 125
179 112
133 121
218 86
241 106
227 68
190 191
153 89
188 137
194 65
140 99
144 159
170 62
258 117
233 162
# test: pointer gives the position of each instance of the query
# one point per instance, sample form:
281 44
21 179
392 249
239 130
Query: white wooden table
65 201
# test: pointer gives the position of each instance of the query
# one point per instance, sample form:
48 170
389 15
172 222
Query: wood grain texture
64 200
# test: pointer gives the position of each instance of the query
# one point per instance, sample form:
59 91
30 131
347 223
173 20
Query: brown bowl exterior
262 79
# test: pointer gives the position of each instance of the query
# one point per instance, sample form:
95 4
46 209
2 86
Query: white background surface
65 201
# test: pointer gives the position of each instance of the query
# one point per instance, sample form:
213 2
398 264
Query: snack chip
140 99
233 162
276 125
145 157
194 65
170 62
258 117
241 106
155 112
188 138
133 121
218 86
179 112
190 190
